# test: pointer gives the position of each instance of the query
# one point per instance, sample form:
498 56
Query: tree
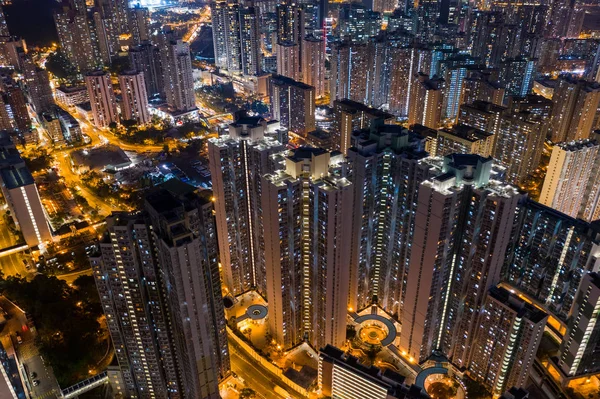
59 65
71 344
247 393
441 390
113 127
130 125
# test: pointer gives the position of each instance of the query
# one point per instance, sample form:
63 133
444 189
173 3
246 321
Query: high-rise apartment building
402 78
571 184
158 279
134 104
139 18
250 41
291 22
347 79
426 101
293 104
357 22
479 87
102 98
313 65
519 132
386 171
146 58
463 224
482 115
38 85
350 116
21 195
307 220
580 348
516 75
78 39
288 60
237 161
506 341
575 105
463 139
15 98
177 72
236 37
549 255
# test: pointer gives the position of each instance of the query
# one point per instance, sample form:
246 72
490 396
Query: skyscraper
575 104
102 98
236 37
571 182
386 170
21 195
516 75
38 85
313 65
349 61
581 345
139 18
237 161
18 106
463 139
250 41
134 97
426 101
350 116
146 58
506 341
463 225
549 254
479 87
403 77
293 104
158 279
177 72
77 39
226 35
288 60
306 213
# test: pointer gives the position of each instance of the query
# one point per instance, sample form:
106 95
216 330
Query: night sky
33 20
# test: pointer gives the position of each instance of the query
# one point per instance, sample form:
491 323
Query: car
310 354
19 339
36 383
33 374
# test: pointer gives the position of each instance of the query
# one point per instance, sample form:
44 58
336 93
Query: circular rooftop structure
256 312
376 329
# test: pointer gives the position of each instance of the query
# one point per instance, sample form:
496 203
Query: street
255 377
27 352
10 265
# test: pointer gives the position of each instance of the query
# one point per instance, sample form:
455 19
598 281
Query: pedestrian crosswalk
47 395
27 350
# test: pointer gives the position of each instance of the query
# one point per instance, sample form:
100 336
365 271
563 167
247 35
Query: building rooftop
468 133
86 106
354 105
387 379
16 176
100 157
284 80
306 153
522 308
96 73
71 89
